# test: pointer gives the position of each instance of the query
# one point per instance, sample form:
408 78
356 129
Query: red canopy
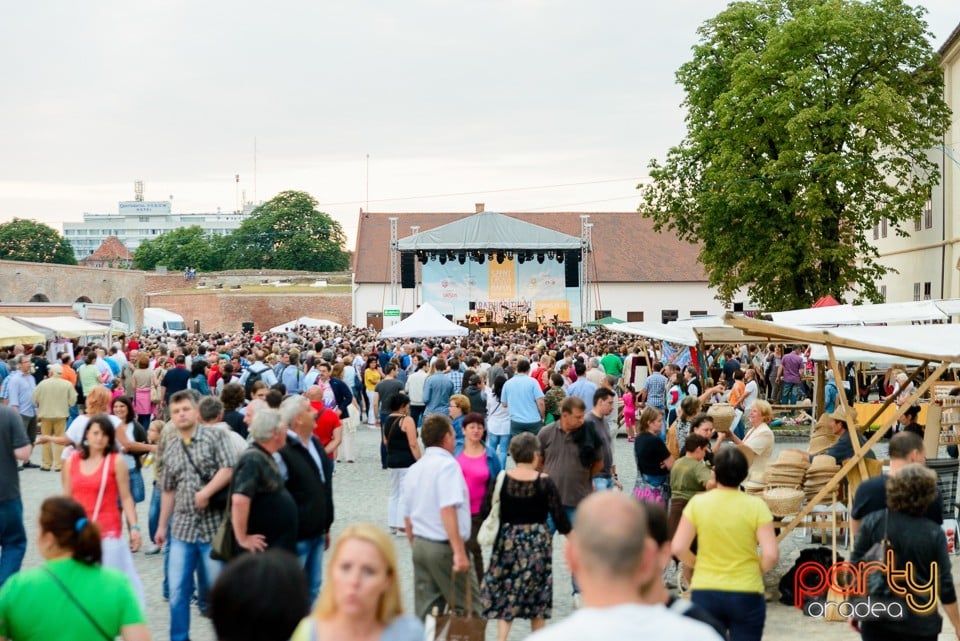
825 301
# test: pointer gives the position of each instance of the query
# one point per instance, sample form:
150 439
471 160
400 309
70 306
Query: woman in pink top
480 467
97 478
630 413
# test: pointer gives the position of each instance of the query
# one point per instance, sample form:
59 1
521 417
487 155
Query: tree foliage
30 241
288 232
183 247
808 122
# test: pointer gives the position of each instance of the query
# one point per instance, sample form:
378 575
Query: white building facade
926 261
138 220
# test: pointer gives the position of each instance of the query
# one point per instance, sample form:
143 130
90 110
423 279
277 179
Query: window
876 232
698 312
634 317
916 291
883 227
883 293
926 291
668 315
601 313
917 223
928 213
144 219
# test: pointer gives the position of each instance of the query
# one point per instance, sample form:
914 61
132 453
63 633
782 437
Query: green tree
30 241
183 247
287 232
808 122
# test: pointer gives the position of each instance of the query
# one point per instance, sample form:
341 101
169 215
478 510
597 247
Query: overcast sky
446 97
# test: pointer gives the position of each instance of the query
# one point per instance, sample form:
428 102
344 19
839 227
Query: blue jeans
185 558
788 393
310 553
153 515
500 444
13 538
601 484
741 613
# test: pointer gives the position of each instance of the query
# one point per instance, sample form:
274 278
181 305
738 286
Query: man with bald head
612 558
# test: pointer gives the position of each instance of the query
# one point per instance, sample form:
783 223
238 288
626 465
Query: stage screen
526 292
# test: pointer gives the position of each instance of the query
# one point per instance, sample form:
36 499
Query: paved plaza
360 494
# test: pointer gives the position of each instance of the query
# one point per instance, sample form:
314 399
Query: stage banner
503 280
450 287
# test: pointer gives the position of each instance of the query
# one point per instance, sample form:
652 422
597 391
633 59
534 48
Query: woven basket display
783 501
722 415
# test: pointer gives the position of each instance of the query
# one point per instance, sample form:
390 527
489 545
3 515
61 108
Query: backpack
253 375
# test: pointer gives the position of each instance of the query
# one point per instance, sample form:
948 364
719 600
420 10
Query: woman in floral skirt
519 581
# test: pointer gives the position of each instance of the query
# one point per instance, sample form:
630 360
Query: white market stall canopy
13 333
426 322
488 230
63 326
305 321
707 329
933 343
914 311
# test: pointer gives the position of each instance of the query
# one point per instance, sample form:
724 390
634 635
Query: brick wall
19 282
224 312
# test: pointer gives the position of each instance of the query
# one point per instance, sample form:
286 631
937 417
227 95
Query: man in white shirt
437 518
611 557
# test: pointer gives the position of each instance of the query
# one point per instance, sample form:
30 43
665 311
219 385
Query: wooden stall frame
751 326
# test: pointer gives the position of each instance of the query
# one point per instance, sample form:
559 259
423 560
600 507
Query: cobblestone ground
360 494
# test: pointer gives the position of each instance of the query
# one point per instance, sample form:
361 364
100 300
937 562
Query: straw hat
824 423
795 457
821 463
747 452
821 443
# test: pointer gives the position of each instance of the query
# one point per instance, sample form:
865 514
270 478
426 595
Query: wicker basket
722 415
783 501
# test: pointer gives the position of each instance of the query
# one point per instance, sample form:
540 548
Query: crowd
496 440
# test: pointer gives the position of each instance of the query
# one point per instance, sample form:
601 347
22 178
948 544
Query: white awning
907 312
306 321
63 326
13 333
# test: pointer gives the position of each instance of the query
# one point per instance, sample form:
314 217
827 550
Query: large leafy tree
183 247
808 122
288 232
30 241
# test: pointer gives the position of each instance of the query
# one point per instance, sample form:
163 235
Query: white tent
306 321
13 333
63 326
426 322
907 312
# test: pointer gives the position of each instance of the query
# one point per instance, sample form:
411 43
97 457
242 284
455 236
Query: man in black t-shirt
871 496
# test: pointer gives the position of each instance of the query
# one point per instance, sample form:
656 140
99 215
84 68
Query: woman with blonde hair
758 438
360 597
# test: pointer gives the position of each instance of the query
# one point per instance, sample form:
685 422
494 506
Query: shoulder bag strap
103 486
79 605
190 458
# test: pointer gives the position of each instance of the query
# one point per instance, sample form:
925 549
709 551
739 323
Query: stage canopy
489 230
426 322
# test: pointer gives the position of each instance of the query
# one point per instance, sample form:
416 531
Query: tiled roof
626 249
111 249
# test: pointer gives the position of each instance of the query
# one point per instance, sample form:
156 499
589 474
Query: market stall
14 333
930 345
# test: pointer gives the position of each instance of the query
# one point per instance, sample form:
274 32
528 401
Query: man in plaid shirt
197 463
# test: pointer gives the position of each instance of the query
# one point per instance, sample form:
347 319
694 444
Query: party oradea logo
868 590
